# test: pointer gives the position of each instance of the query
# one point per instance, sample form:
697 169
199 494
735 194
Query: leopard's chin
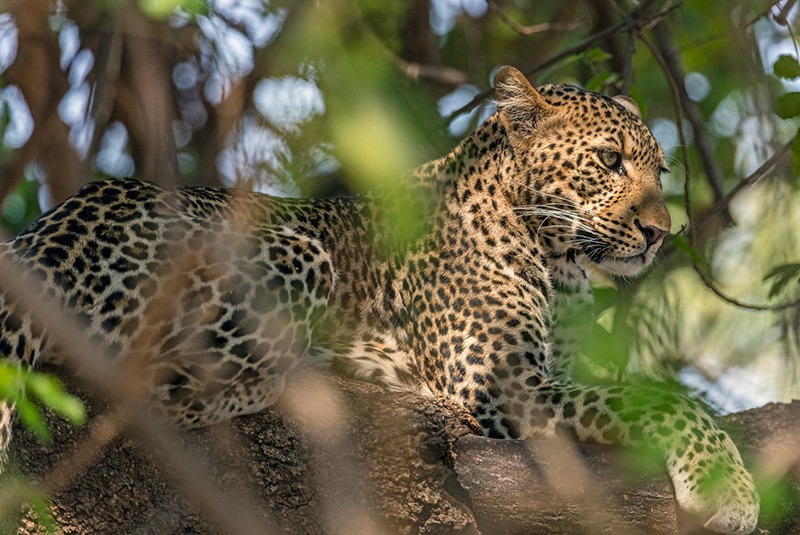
625 266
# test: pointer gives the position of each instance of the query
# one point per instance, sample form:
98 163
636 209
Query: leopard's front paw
734 516
721 490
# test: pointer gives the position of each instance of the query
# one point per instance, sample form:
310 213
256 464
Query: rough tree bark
346 457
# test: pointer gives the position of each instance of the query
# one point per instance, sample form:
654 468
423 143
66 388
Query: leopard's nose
652 235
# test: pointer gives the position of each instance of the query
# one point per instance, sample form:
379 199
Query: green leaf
162 9
52 394
595 55
782 271
606 355
601 80
787 67
778 499
604 298
640 99
788 105
41 507
782 275
12 381
5 116
682 243
32 419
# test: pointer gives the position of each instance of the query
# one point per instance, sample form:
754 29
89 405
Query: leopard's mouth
598 251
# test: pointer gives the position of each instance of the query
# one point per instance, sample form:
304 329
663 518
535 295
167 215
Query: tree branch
527 31
637 19
724 202
412 463
671 62
437 73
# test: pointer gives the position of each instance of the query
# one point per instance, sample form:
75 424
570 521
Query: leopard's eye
611 159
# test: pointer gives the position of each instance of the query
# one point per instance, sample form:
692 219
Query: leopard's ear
521 106
629 104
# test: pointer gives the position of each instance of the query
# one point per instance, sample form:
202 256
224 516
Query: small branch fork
723 201
527 31
639 20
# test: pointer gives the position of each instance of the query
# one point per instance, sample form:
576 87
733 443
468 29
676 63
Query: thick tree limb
348 457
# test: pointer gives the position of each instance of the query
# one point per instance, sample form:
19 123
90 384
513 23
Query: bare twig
104 429
627 70
707 281
782 17
724 33
670 60
414 70
676 104
106 80
527 31
437 73
749 180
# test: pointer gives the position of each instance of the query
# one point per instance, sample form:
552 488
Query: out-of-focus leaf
12 381
51 393
40 505
20 386
682 242
601 80
640 100
781 277
787 67
595 55
5 115
778 499
788 105
32 418
604 298
604 355
162 9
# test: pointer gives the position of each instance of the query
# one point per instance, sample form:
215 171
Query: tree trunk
339 456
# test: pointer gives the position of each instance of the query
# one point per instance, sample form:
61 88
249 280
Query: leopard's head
586 172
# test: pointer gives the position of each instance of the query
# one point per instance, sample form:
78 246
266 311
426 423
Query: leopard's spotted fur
223 291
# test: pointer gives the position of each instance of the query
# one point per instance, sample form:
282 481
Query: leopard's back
202 285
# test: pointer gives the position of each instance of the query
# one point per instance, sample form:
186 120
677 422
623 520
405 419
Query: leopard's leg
703 463
377 358
240 326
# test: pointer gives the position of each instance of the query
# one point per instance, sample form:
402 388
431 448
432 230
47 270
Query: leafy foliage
788 105
787 67
27 389
781 277
681 242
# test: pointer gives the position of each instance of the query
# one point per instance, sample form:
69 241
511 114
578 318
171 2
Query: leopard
220 293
